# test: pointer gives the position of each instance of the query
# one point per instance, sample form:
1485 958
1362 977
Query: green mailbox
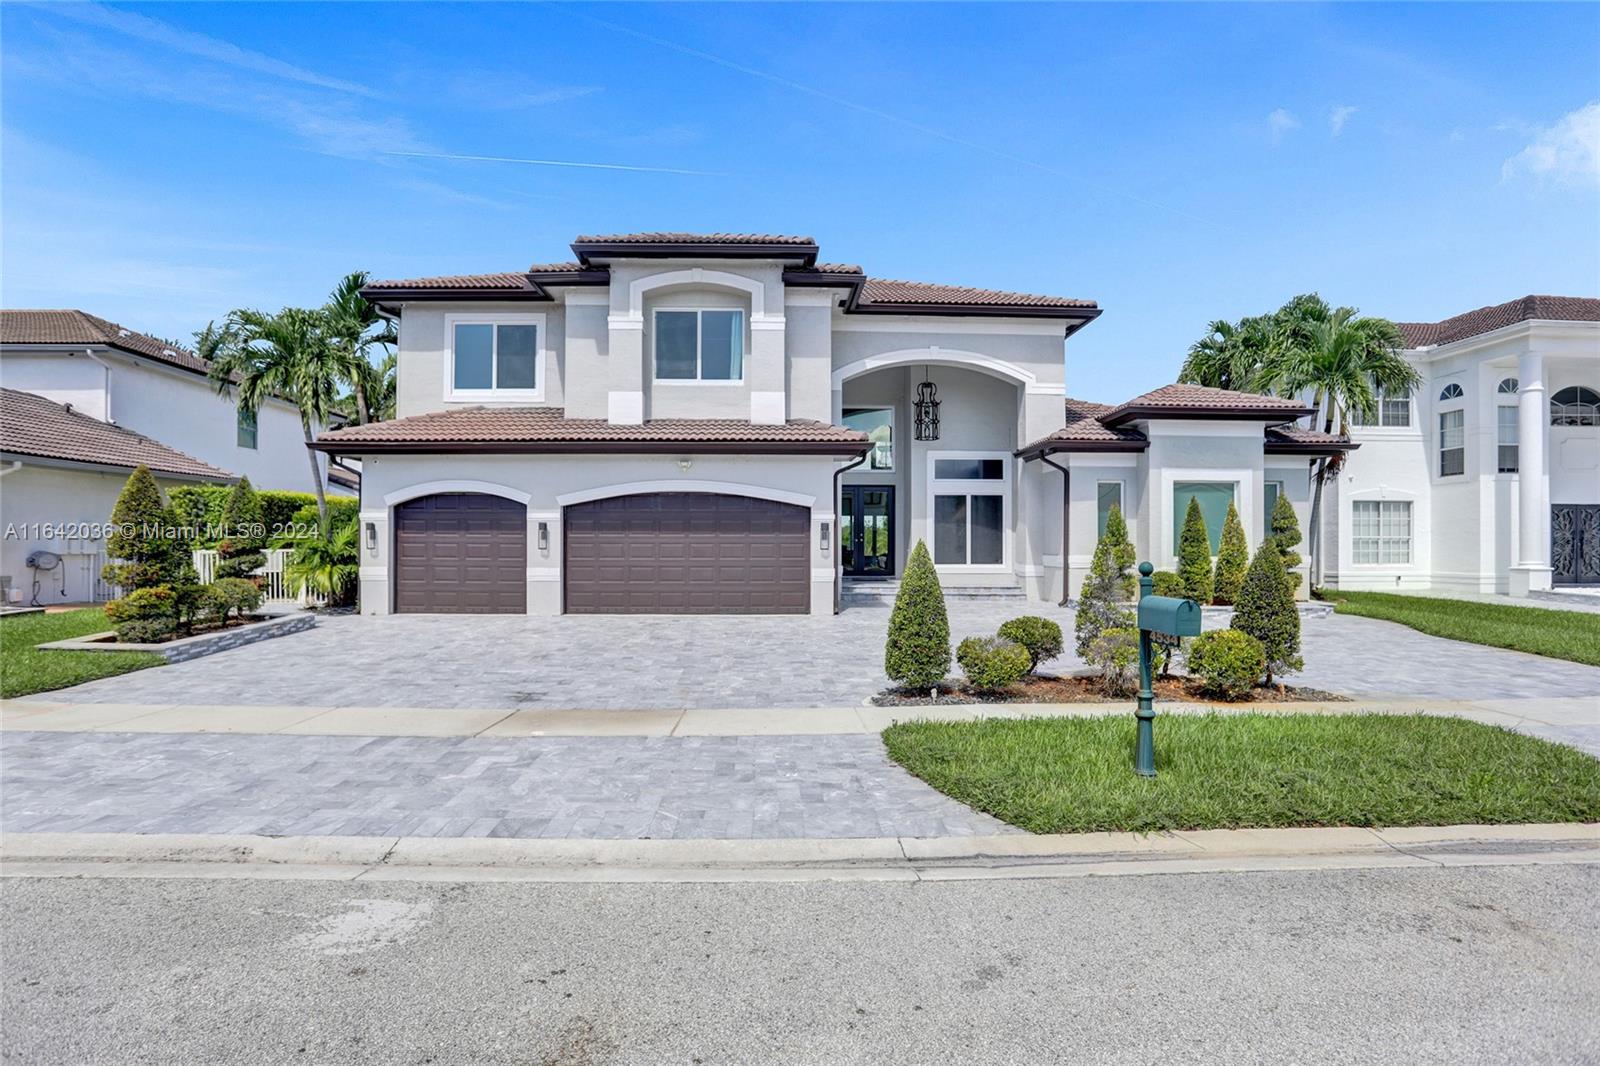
1162 620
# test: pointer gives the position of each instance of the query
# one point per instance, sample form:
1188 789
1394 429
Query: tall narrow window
1269 500
1452 443
1109 495
1506 438
247 429
1214 497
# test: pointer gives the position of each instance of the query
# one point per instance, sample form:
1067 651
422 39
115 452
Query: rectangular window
1214 497
1269 500
968 530
1394 410
498 357
247 429
969 469
1381 531
1507 439
878 424
1109 495
1452 443
704 345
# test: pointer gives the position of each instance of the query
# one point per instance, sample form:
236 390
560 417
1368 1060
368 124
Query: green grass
24 669
1227 771
1573 635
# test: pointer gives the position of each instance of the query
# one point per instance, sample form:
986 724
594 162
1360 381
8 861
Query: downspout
1066 526
834 535
107 368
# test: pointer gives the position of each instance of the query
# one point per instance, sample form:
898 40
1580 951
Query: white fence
274 585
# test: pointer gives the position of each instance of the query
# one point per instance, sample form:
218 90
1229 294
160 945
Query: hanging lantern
927 409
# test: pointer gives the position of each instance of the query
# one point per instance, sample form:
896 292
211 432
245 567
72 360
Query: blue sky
164 163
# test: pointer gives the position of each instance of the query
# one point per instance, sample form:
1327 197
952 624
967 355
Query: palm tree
354 329
290 355
327 564
1231 356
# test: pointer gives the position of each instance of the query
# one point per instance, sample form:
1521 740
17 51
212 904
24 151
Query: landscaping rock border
186 648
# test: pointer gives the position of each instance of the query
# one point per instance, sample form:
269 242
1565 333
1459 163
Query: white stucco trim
431 488
543 573
768 408
811 298
587 299
721 488
935 355
1246 491
695 276
847 323
625 408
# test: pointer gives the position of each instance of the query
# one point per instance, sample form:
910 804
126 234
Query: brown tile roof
548 429
80 327
692 238
33 425
1084 431
1179 401
1487 319
885 291
467 282
1293 438
1091 427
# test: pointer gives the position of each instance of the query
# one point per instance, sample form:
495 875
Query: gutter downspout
1066 526
834 547
107 368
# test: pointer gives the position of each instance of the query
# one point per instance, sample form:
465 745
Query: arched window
1451 391
1575 405
1507 386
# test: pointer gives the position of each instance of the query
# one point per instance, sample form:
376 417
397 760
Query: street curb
775 854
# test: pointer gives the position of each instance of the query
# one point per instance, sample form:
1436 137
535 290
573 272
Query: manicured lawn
1573 635
1228 771
24 669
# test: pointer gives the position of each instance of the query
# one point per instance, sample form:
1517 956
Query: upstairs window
1452 443
699 345
1451 391
878 424
1394 409
1575 406
246 430
1506 438
1507 387
495 355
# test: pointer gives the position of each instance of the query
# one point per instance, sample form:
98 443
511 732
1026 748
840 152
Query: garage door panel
687 553
460 553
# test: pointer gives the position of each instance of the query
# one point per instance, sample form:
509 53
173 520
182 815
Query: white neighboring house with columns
1486 479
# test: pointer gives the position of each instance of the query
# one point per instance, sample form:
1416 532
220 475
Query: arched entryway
460 553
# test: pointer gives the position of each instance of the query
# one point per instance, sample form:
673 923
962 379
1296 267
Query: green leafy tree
1194 554
244 533
1122 553
142 553
1233 559
1286 534
1232 355
917 654
1100 600
355 331
1266 611
327 565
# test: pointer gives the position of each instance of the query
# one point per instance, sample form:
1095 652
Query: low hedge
200 507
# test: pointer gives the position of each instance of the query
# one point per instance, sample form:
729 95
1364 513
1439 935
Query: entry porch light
927 409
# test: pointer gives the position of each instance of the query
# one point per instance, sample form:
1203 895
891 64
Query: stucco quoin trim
433 488
720 488
936 356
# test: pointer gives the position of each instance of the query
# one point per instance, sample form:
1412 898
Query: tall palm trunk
316 474
363 416
1319 477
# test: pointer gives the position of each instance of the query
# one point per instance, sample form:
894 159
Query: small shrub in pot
1228 662
991 663
1039 636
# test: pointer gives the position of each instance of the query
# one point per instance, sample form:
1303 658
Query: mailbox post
1162 620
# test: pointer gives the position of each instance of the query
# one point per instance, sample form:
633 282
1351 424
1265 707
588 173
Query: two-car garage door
658 553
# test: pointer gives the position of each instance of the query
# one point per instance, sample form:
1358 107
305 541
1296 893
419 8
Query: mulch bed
1046 689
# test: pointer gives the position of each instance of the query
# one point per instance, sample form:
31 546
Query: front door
866 530
1575 543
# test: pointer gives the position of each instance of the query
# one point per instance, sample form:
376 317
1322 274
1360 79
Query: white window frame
1516 431
893 444
1410 538
699 346
1438 470
255 429
972 487
1266 512
504 318
1378 414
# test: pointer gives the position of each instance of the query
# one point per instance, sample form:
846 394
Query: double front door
1575 543
866 530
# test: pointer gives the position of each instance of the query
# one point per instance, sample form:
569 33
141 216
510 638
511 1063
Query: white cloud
1339 116
1280 123
1567 153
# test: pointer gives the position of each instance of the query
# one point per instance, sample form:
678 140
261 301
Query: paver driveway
620 662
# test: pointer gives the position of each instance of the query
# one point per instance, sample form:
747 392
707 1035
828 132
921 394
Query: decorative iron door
1575 543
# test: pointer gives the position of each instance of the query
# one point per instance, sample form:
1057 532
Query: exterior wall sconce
544 536
372 536
823 540
685 464
927 409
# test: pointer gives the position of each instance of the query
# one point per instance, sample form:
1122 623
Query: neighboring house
684 423
61 472
1486 478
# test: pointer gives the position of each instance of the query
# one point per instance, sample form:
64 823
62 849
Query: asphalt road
1417 966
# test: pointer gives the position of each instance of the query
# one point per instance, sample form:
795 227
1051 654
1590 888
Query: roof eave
1275 415
606 447
588 251
12 455
1055 447
1076 317
1307 448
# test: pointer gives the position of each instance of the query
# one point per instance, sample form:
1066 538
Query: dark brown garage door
687 553
460 553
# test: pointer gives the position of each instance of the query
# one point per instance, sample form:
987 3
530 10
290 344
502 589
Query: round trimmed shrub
1228 662
233 595
155 601
146 631
991 663
917 653
1039 636
1167 583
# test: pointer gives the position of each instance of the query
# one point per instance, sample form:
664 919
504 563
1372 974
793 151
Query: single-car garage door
687 553
460 553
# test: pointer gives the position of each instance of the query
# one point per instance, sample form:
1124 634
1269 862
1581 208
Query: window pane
1214 497
987 535
246 437
969 469
1110 495
1452 441
1269 499
1396 410
517 350
1507 425
878 424
721 345
949 529
677 333
474 356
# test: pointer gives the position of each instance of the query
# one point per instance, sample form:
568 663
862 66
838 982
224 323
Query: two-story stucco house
1487 478
87 400
686 423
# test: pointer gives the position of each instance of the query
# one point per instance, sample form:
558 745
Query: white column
1532 569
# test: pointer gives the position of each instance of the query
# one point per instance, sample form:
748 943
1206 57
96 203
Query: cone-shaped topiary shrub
1233 560
1194 555
1267 612
1099 601
1040 636
1286 532
1122 553
142 554
917 654
244 533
